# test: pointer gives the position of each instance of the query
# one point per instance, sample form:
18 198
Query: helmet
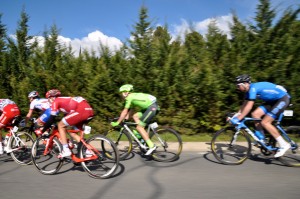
126 88
53 93
33 94
243 78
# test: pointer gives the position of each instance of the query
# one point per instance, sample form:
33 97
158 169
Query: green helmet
126 88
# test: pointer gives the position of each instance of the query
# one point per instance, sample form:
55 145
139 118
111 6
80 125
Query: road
196 175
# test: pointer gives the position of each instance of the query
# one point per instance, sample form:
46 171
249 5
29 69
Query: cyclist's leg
142 120
258 113
266 122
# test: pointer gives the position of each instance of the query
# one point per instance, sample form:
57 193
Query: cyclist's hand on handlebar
114 124
234 120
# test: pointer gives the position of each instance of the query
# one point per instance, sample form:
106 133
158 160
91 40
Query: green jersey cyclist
147 109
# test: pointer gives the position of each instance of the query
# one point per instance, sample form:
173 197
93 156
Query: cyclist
38 104
77 111
147 106
275 98
9 110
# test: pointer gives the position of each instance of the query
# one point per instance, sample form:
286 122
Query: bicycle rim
21 148
122 141
169 144
108 157
227 153
46 163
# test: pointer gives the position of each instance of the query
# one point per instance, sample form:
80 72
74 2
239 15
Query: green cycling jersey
139 100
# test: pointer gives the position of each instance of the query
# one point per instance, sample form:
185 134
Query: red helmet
53 93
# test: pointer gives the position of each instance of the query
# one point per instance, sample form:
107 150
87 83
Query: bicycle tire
291 157
103 167
122 140
48 163
168 142
21 149
231 154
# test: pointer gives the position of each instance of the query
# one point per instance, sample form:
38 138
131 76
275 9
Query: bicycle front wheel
21 148
231 147
46 160
122 140
108 157
168 142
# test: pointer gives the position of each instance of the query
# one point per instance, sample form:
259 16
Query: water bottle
136 133
259 135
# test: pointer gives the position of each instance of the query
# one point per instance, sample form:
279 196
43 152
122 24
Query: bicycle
18 144
232 145
98 155
167 140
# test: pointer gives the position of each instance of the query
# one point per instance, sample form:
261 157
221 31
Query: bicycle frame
55 134
12 130
242 125
151 126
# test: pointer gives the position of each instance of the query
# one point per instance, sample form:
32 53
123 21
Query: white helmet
33 94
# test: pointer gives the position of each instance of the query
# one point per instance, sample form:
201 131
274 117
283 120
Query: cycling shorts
45 116
148 114
78 117
275 108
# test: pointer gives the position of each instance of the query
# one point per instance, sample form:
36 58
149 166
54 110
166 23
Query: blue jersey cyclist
147 106
276 100
38 104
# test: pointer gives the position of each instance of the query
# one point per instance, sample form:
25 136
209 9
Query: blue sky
83 22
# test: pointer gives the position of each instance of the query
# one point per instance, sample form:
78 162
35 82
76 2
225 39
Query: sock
150 143
66 147
281 141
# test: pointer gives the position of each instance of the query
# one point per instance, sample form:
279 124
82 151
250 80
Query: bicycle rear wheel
46 162
228 152
168 142
122 140
21 148
108 157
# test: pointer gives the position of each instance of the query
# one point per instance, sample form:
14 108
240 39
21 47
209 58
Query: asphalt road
195 175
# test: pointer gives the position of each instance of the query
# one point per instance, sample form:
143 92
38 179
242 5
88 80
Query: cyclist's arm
245 109
123 115
28 116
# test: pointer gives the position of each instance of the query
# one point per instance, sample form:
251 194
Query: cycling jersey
40 104
4 102
77 110
139 100
265 91
9 110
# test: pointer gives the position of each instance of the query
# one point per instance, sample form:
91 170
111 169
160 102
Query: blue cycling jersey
265 91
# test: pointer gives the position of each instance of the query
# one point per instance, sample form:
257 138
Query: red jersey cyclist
77 111
147 106
9 110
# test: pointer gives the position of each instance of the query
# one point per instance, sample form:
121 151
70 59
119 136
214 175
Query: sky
86 23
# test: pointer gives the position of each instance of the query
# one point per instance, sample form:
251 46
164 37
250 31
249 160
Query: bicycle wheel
228 152
21 148
46 162
168 142
122 140
108 157
292 156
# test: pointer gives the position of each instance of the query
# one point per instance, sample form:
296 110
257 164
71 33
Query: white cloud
222 22
89 43
92 42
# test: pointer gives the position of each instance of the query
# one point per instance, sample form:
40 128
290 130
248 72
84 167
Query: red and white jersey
4 103
65 104
40 104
